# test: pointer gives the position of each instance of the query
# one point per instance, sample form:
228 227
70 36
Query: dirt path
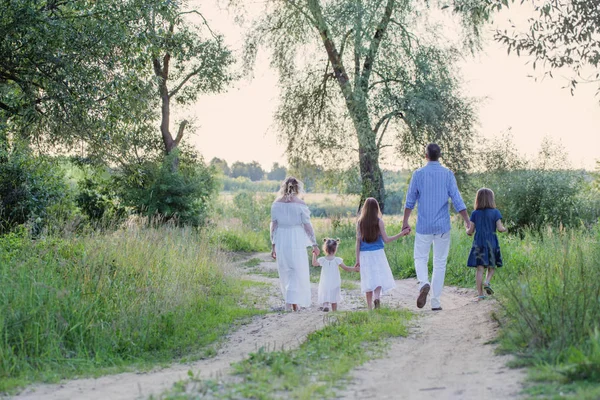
447 355
464 368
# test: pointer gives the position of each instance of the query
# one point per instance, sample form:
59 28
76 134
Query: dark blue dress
486 249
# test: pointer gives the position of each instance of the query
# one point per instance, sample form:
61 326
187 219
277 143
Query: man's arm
412 195
457 201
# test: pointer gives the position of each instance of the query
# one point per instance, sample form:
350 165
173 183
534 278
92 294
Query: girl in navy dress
485 252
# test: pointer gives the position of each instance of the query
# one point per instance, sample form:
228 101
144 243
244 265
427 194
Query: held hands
316 250
405 231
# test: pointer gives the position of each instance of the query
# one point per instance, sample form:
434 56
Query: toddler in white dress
330 282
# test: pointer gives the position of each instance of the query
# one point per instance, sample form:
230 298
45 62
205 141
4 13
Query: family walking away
330 282
430 190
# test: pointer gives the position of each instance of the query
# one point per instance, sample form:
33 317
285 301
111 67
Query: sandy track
445 357
465 367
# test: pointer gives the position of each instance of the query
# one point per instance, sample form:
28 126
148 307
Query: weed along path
445 356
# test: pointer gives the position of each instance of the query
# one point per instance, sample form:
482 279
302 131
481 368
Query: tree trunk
368 153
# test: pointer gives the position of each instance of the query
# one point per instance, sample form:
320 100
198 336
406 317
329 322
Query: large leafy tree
565 34
103 74
353 71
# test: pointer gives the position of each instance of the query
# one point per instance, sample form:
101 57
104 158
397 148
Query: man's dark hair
433 151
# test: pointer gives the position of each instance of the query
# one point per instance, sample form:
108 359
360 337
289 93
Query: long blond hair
290 187
368 221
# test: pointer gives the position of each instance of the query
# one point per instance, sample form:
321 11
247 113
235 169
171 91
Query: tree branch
332 53
375 42
387 117
213 34
343 45
299 9
182 126
184 81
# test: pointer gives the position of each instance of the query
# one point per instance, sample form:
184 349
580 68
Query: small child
485 252
330 281
375 273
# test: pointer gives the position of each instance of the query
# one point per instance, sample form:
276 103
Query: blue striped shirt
431 186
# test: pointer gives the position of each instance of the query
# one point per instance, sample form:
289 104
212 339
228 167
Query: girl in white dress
291 234
330 282
375 273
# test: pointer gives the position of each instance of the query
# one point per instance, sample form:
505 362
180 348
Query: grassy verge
551 301
103 303
317 369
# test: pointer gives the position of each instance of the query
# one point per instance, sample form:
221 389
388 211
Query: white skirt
375 272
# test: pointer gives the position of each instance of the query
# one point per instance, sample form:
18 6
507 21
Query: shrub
180 194
32 190
533 199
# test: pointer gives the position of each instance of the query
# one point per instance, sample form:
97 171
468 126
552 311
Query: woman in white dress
291 234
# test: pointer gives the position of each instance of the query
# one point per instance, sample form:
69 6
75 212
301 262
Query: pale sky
238 124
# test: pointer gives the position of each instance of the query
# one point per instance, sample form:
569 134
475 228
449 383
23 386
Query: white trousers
441 247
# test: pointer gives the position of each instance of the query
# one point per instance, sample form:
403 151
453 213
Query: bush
179 194
32 190
96 197
534 199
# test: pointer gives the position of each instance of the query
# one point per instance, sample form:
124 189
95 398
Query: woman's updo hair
290 187
330 245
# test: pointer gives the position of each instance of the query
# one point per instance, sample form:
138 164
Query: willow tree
352 71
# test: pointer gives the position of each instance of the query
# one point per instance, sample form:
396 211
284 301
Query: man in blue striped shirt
431 187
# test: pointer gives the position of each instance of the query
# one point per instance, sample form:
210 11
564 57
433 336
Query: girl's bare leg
479 279
489 274
369 300
333 306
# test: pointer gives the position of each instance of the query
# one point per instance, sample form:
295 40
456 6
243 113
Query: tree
565 34
86 74
220 165
389 72
277 173
187 60
252 170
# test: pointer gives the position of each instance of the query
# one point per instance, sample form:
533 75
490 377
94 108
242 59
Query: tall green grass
76 305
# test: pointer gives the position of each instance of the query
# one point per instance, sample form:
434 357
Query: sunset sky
238 124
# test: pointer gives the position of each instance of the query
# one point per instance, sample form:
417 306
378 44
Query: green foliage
180 194
76 306
245 184
314 370
550 297
565 34
252 170
220 165
32 190
97 198
277 173
367 69
536 198
98 73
